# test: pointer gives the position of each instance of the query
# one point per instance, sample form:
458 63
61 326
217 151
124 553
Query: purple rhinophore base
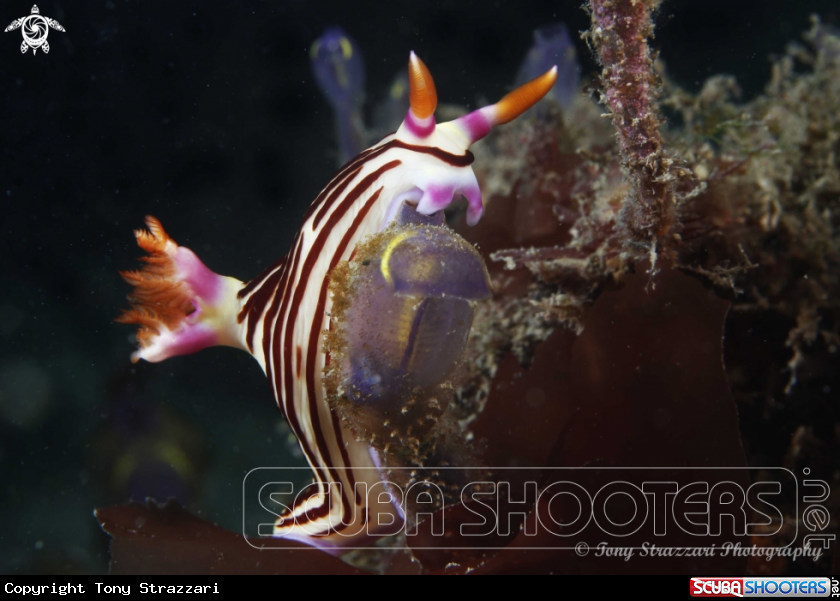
475 125
420 128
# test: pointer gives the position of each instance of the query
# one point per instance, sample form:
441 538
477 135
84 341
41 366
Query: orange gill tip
155 239
523 97
422 94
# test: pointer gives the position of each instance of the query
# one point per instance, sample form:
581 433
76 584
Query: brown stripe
345 457
456 160
352 163
315 513
298 360
325 206
311 491
270 322
260 278
256 304
347 168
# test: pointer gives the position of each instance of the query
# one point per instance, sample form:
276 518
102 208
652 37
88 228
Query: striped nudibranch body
280 316
285 314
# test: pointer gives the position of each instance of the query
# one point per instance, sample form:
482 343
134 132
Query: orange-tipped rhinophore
422 94
523 97
478 123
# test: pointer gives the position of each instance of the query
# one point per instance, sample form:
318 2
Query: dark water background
206 115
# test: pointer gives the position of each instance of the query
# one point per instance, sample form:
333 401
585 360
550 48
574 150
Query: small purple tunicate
339 70
405 326
553 46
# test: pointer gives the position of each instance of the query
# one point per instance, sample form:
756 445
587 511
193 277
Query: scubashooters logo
624 513
35 29
762 587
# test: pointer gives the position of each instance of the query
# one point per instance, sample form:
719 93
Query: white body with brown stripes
280 316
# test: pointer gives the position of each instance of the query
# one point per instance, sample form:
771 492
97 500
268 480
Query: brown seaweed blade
643 386
166 539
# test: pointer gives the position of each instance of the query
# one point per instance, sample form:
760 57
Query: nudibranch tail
180 305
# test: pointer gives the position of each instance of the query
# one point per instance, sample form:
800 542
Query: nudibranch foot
180 305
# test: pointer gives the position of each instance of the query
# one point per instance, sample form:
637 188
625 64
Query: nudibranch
281 316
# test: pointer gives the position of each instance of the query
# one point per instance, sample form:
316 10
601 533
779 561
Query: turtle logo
35 29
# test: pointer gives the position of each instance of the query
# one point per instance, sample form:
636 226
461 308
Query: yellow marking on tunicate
313 52
122 469
346 48
398 89
165 452
384 266
176 458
